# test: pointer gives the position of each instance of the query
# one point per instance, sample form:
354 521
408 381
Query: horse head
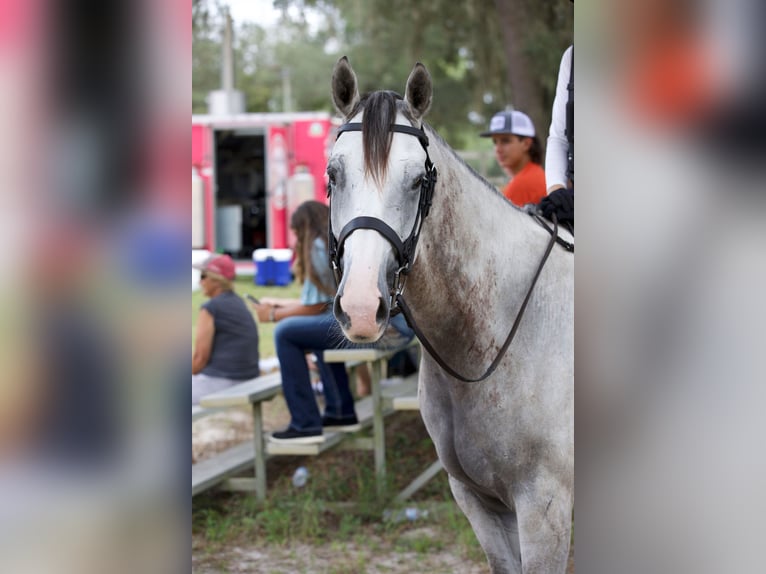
380 184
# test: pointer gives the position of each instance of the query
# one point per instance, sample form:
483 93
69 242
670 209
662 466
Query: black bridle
405 253
405 250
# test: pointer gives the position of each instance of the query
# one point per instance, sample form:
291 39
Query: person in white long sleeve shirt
559 166
556 151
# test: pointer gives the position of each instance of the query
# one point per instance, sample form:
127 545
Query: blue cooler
272 266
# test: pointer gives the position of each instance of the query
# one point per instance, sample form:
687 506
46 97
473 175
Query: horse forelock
380 111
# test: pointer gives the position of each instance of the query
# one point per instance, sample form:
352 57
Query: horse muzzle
362 304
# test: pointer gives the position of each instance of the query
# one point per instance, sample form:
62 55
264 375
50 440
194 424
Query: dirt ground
344 557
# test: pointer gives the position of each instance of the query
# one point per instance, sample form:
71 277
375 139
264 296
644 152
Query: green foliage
206 53
384 39
275 524
266 61
310 525
217 527
461 43
270 60
421 544
348 526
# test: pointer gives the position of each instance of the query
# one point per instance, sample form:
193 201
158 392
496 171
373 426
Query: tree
206 51
261 58
483 55
265 56
535 34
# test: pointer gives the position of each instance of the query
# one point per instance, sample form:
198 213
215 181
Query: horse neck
473 266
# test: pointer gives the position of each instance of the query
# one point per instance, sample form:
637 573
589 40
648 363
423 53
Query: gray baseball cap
510 122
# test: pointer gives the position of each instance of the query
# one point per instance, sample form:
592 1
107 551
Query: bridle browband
405 253
405 250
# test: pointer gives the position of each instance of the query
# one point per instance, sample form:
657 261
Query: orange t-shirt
675 83
527 186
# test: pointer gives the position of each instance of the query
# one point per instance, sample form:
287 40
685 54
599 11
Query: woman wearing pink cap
226 342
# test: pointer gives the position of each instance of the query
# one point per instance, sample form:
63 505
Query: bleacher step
216 469
364 412
244 394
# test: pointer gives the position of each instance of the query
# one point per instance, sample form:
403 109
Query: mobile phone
253 299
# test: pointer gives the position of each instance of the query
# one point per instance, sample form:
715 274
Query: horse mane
381 109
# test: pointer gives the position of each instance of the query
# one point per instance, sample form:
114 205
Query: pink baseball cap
221 264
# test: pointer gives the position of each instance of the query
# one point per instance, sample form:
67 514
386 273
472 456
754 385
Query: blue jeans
298 335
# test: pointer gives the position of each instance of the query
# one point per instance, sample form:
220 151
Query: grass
242 286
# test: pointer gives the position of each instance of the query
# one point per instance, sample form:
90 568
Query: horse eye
331 181
417 183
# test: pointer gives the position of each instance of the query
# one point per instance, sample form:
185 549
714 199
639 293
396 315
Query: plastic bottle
410 514
300 476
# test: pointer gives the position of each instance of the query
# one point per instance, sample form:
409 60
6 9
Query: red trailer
250 172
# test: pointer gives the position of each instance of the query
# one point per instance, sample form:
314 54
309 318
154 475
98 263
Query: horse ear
419 91
345 93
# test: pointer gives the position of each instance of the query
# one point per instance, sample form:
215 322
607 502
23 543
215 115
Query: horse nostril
382 314
340 315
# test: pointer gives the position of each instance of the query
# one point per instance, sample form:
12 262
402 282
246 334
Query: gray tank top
235 345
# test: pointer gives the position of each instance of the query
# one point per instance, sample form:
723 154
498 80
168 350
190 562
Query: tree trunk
525 90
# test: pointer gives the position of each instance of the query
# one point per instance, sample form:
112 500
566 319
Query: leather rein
405 253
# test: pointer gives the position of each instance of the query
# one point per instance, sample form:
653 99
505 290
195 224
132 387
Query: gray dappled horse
460 260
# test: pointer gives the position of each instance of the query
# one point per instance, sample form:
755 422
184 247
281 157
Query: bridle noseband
405 250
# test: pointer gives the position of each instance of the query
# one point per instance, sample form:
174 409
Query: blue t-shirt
310 294
235 344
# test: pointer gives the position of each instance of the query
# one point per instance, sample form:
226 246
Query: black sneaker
348 424
292 436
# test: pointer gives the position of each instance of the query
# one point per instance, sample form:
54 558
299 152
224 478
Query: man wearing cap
518 152
226 341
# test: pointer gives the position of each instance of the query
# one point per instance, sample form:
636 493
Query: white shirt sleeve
556 149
